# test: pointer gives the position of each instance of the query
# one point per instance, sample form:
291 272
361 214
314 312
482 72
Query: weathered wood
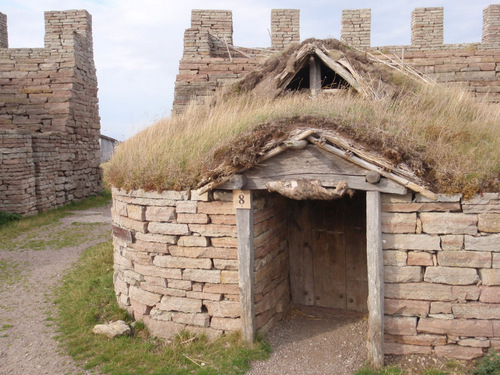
373 177
364 164
306 189
236 181
314 76
300 248
375 278
245 230
327 180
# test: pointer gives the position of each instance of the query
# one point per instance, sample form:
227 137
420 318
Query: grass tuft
444 136
87 298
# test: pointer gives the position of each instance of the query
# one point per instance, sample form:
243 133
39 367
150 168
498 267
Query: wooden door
328 253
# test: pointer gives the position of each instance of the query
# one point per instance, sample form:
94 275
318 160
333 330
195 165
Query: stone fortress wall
49 117
211 61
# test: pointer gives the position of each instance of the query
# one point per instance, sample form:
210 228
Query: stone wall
176 260
206 64
442 274
50 94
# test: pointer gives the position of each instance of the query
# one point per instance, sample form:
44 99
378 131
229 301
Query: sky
138 44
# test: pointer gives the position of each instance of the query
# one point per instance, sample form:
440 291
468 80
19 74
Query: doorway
327 252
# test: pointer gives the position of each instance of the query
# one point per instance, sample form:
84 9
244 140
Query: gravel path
40 258
316 341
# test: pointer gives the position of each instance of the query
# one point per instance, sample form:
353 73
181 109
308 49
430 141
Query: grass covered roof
450 141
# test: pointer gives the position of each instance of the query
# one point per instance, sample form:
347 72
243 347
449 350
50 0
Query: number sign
242 199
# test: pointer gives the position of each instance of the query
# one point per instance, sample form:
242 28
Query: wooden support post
244 225
314 76
375 279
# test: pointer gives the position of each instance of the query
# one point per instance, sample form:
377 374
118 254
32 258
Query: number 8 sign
242 199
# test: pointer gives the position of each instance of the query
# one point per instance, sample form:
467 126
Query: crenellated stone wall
50 95
442 275
208 63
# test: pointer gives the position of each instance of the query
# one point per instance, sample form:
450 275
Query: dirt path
34 264
316 341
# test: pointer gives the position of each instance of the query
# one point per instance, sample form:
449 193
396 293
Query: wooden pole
314 76
244 225
375 279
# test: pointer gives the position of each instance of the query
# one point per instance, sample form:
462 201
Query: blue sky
138 44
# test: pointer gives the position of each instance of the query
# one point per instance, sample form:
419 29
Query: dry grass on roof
446 138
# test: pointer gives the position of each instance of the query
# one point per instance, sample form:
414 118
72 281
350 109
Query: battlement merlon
285 28
61 27
491 24
4 38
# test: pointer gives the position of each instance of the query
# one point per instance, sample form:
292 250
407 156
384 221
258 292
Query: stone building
49 117
237 253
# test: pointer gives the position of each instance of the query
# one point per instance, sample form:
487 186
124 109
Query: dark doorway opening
329 79
327 253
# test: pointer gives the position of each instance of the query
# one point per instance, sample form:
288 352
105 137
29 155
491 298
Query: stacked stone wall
207 65
176 261
272 288
51 93
442 275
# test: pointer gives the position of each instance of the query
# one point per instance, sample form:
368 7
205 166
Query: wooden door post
375 279
243 203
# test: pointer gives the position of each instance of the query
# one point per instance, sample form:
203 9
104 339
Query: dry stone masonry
210 61
176 267
49 119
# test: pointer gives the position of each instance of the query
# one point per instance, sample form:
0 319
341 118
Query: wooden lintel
245 229
328 181
373 177
375 262
236 181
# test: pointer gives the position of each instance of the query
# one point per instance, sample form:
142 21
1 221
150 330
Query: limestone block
160 214
223 219
120 285
411 242
161 328
475 343
223 195
451 275
226 324
440 198
149 247
420 339
431 292
136 212
224 309
477 311
192 218
186 207
464 259
221 288
202 320
122 261
112 329
120 207
440 308
483 243
180 284
421 207
496 260
216 208
452 242
195 196
138 226
167 273
229 277
490 294
169 229
207 276
138 256
158 314
448 223
398 274
144 297
489 223
225 242
132 277
458 352
400 325
226 264
405 349
193 241
204 296
456 327
395 258
157 281
187 305
213 230
394 222
181 262
419 258
490 276
406 307
396 198
158 238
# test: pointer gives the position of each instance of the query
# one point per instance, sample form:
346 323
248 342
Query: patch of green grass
8 217
10 272
87 298
390 370
488 365
29 224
